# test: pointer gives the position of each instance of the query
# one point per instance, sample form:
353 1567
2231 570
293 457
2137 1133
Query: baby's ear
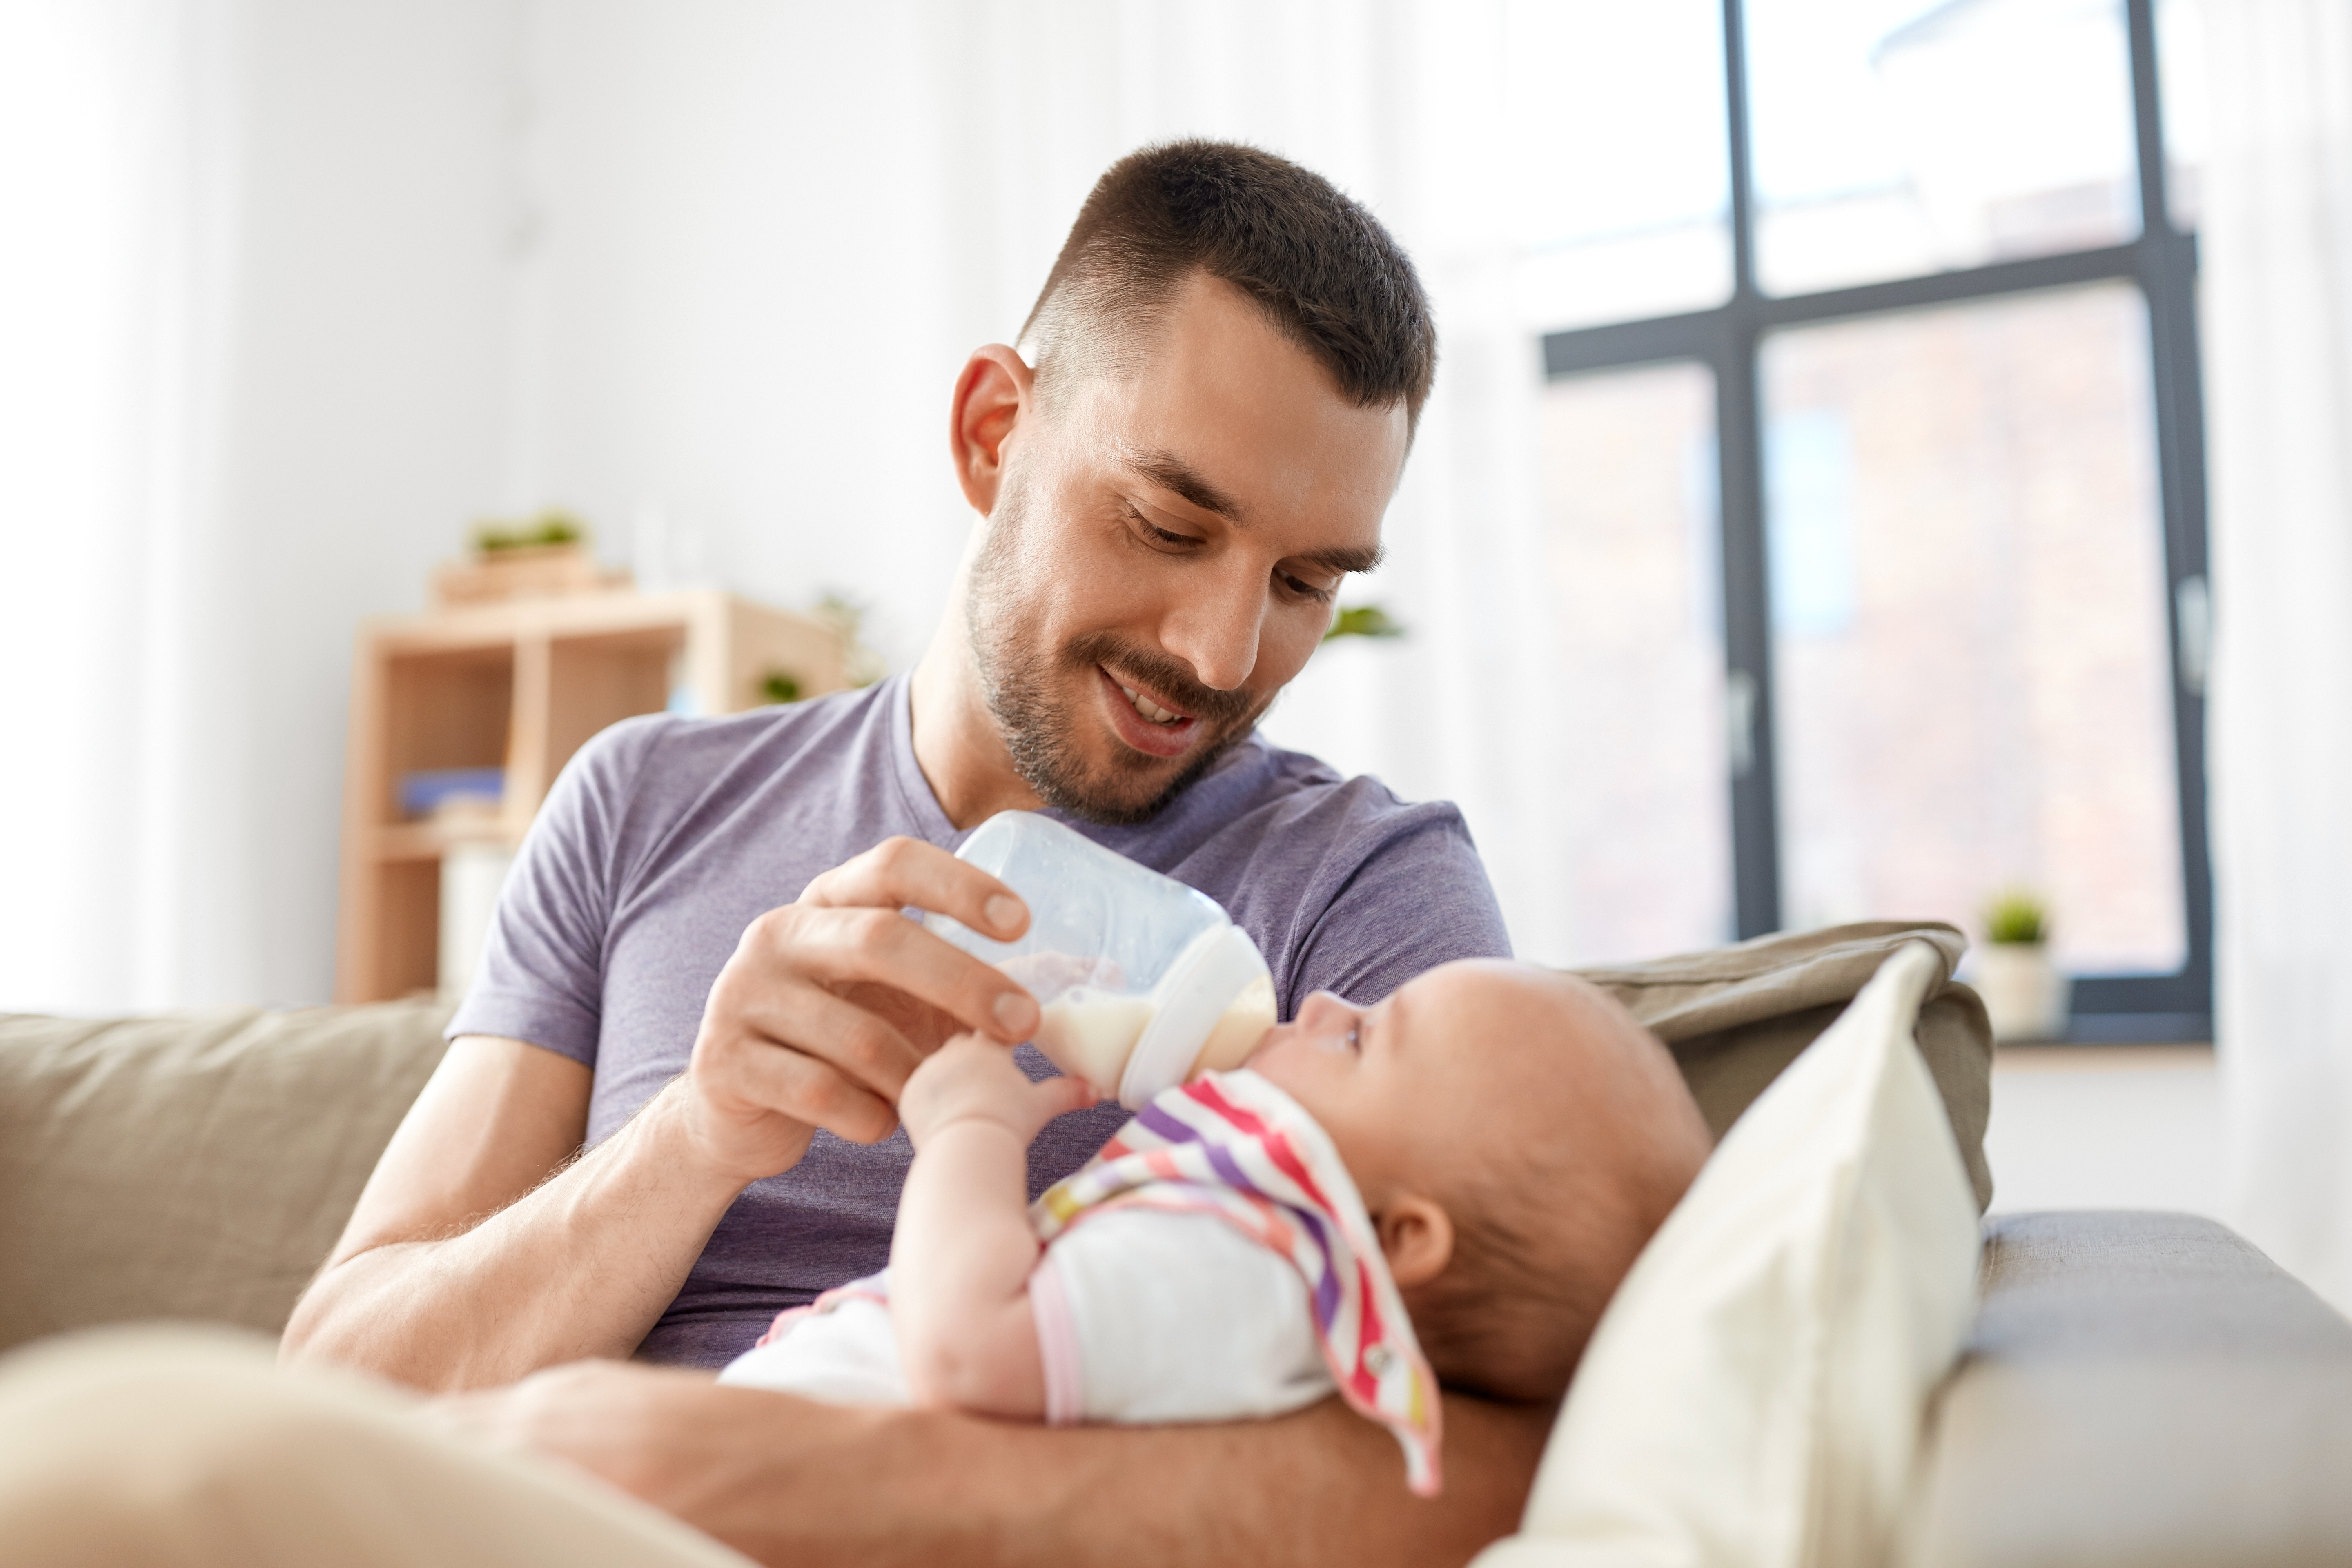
1417 1238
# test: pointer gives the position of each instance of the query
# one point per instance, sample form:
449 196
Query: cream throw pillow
1754 1395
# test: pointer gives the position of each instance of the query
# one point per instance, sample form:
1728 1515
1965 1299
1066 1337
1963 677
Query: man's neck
957 743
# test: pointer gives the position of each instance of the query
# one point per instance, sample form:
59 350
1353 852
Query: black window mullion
2181 437
1747 628
1747 593
2175 1005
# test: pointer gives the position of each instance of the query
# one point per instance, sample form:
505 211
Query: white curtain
109 277
1408 107
289 293
255 260
2277 302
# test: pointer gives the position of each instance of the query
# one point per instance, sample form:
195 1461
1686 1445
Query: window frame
2162 263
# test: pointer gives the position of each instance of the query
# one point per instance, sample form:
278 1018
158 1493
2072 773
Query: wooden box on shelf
519 685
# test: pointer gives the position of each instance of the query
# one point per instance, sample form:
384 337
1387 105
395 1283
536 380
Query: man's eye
1309 591
1156 534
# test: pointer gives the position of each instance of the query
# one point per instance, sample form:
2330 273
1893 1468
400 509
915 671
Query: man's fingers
800 1017
879 946
904 873
809 1090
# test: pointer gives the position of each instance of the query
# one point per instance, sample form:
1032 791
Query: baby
1444 1187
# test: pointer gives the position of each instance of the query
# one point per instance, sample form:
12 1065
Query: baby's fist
972 1078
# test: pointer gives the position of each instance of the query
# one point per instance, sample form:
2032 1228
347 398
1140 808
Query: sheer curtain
289 293
253 264
1406 106
2278 326
109 285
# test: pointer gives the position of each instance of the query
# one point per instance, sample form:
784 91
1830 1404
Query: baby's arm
962 1253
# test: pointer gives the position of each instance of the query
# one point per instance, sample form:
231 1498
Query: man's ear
1417 1238
994 391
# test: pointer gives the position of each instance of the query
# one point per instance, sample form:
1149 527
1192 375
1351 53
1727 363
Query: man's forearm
582 1265
789 1481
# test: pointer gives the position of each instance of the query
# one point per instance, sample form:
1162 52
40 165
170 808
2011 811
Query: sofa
2139 1388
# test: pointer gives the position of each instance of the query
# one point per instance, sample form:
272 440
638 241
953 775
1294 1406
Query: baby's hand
974 1078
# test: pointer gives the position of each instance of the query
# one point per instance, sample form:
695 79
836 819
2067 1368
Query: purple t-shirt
665 837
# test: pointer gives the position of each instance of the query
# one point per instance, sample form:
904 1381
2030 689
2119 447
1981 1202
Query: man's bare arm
788 1481
465 1265
477 1255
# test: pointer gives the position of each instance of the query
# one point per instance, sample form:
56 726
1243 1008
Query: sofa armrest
2144 1389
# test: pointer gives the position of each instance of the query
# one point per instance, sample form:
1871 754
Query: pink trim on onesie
866 1290
1057 1346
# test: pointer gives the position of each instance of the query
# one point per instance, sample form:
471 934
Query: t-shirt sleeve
540 978
1417 898
1145 1316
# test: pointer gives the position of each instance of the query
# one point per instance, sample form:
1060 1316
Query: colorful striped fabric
1234 1145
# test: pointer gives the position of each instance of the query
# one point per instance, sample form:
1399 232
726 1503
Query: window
1874 472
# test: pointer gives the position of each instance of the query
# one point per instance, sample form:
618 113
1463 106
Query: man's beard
1016 678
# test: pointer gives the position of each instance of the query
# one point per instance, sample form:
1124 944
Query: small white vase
2024 995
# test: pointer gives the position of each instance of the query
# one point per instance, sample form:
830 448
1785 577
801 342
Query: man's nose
1216 630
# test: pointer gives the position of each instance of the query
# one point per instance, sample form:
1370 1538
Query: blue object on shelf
424 791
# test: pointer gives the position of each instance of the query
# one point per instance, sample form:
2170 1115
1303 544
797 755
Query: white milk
1089 1032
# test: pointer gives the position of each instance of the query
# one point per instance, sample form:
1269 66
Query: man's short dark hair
1324 272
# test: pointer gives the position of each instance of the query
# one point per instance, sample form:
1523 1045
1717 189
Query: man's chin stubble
1044 755
1040 735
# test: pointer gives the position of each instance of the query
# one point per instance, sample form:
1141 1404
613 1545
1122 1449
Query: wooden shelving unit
519 685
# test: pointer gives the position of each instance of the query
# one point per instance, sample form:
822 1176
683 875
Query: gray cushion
1734 1016
196 1166
2141 1389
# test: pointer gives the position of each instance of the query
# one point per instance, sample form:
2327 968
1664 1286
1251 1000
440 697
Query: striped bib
1234 1145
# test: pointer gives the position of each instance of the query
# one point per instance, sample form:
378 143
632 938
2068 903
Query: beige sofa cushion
195 1166
1736 1015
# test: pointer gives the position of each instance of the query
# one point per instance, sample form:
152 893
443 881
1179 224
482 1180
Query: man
702 974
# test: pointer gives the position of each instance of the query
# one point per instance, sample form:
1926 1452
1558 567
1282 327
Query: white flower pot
2024 995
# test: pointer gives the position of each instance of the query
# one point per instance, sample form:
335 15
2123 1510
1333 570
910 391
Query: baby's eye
1345 1041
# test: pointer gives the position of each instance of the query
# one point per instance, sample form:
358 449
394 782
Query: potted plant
2024 995
1363 621
544 555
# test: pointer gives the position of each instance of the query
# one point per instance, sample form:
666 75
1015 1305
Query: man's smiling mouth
1145 706
1144 723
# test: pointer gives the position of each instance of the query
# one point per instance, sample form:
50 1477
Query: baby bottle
1144 980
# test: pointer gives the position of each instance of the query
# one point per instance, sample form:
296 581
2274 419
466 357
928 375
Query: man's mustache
1168 678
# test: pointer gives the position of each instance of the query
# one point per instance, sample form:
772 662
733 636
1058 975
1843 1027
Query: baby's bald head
1558 1137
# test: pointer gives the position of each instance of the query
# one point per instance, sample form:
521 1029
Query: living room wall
704 273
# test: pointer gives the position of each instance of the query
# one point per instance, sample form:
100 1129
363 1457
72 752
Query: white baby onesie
1213 1263
1143 1315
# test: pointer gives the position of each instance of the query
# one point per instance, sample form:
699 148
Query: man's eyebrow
1339 559
1171 472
